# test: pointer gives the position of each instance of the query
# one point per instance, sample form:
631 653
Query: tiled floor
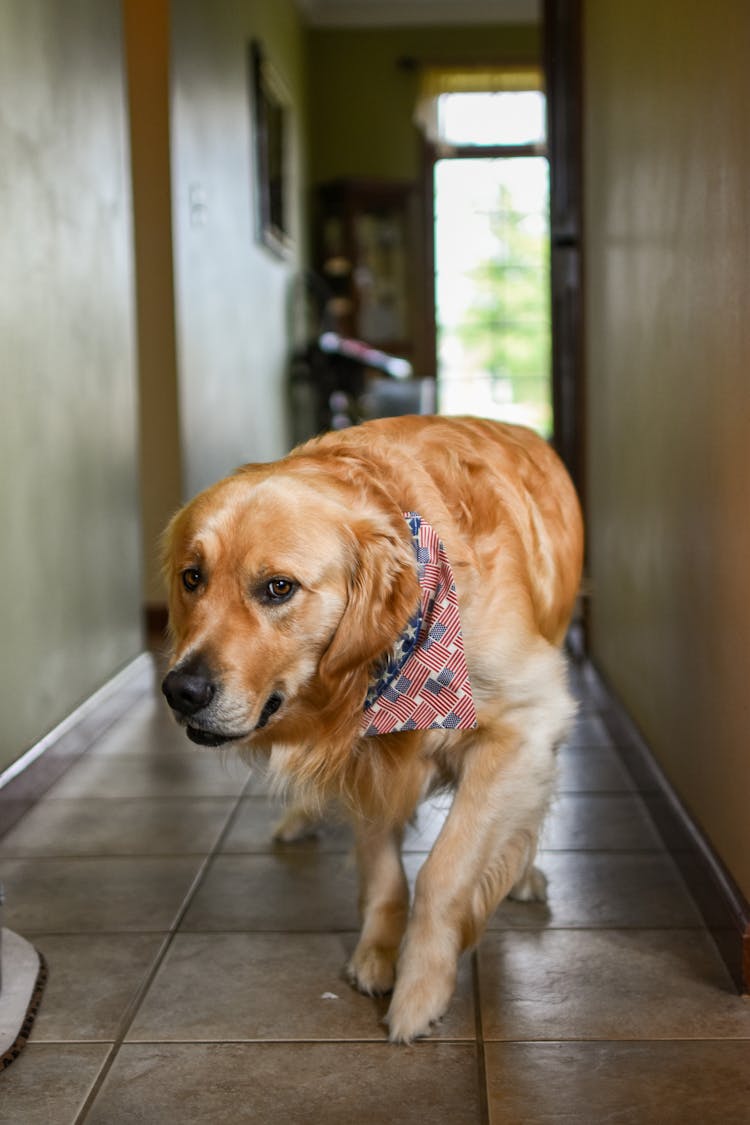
195 968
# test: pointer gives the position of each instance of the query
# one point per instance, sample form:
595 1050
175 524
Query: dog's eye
191 578
280 589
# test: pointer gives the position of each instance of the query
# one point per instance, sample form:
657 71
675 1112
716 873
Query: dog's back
495 493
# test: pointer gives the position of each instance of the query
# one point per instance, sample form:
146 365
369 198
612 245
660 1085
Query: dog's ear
168 545
383 595
171 543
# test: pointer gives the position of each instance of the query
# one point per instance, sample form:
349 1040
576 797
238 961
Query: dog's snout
188 691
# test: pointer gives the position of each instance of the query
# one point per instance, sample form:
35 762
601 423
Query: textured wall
234 297
668 283
70 591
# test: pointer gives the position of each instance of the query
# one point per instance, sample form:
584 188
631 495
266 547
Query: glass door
492 288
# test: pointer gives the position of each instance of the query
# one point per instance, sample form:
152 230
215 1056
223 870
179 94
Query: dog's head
283 588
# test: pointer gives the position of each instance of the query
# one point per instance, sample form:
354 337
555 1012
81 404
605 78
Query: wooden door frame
563 68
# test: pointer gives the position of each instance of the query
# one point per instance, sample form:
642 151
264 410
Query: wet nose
187 692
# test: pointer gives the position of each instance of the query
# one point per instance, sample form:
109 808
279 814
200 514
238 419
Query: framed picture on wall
272 132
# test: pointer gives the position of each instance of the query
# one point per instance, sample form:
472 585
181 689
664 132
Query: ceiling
413 13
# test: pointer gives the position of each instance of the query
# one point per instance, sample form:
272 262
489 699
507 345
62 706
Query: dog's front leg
481 852
384 907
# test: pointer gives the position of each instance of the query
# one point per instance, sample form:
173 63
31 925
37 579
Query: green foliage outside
506 332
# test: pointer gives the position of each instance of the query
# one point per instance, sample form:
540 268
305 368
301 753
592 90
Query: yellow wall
70 590
668 355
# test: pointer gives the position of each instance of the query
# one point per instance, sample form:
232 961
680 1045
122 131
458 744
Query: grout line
609 1041
425 1043
484 1108
350 931
359 1041
289 850
133 1007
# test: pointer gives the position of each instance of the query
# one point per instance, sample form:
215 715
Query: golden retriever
292 586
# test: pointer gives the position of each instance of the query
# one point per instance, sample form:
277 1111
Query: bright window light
492 118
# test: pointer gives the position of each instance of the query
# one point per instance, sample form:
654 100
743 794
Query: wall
69 598
668 355
361 119
234 298
363 102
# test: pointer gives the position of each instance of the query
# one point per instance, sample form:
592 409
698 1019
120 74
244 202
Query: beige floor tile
607 984
599 822
188 773
272 987
589 731
11 811
259 782
48 1083
95 895
147 726
256 820
289 890
622 1083
290 1084
598 770
253 827
119 826
92 980
605 890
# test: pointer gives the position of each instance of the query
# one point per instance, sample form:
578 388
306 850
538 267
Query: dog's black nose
187 692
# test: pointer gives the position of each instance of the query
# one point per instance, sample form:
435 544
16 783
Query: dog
380 615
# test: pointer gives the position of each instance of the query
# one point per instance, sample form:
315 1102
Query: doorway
490 197
492 289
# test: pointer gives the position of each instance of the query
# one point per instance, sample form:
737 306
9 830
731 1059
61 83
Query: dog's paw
296 824
531 887
372 969
419 1001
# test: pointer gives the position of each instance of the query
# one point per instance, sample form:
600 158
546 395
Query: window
491 208
492 119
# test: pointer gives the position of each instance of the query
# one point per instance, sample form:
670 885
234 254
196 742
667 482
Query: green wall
70 591
362 102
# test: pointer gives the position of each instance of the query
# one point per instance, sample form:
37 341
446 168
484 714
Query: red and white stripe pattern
425 685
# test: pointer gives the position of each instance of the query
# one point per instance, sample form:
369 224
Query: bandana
424 683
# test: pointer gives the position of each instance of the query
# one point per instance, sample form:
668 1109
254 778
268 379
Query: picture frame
272 133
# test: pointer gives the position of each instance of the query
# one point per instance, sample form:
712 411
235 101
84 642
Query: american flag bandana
424 683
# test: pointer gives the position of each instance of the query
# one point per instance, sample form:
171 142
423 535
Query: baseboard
724 908
29 778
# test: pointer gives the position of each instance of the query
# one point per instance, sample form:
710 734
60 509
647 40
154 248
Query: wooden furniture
365 251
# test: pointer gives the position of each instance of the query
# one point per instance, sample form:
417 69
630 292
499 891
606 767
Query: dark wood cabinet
365 251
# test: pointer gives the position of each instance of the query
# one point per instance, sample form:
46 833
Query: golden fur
328 521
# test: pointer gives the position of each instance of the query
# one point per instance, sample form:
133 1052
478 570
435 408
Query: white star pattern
424 683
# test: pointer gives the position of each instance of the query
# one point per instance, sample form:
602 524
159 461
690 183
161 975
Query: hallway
195 967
